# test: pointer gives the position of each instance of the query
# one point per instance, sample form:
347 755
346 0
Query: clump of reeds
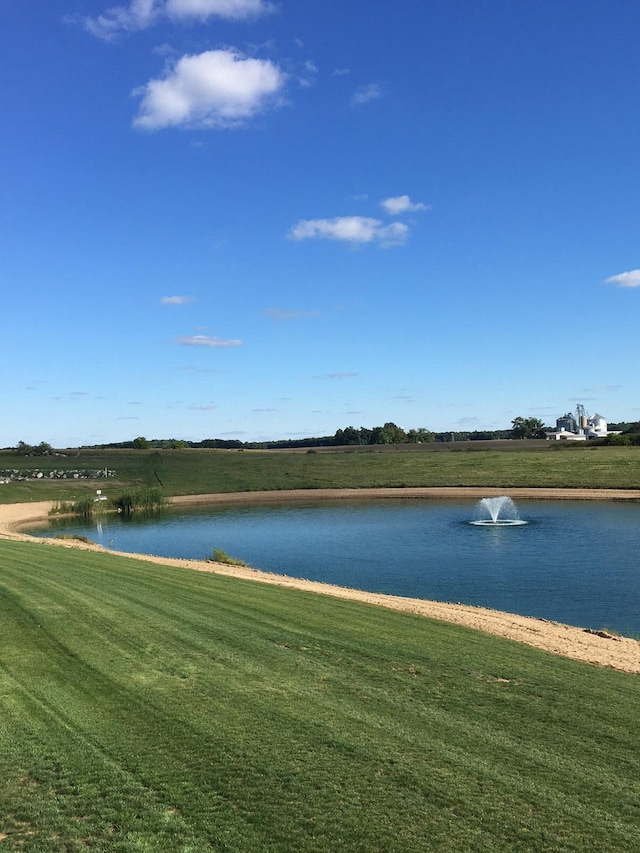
220 556
143 498
85 507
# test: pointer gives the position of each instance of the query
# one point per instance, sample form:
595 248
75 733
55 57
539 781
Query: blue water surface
573 562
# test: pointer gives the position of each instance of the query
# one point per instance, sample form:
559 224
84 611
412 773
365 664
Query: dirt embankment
602 649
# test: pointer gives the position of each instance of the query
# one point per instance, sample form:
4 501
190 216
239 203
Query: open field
150 708
190 471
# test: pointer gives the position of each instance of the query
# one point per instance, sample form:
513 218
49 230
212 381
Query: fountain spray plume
498 512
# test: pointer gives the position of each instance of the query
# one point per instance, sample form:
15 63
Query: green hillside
145 708
196 471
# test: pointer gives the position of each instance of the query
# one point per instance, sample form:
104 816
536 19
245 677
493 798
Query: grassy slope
145 708
202 471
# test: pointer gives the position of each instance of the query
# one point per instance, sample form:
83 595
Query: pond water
574 562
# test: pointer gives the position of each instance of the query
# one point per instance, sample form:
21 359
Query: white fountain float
497 512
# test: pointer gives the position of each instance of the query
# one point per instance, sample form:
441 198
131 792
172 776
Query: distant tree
616 440
24 449
390 433
527 428
348 435
140 443
420 436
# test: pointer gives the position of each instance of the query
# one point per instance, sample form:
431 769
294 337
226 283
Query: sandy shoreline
619 653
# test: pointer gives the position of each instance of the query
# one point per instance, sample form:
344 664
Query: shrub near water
220 556
84 507
145 498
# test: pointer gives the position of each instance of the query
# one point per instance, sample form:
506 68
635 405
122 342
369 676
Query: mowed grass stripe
153 708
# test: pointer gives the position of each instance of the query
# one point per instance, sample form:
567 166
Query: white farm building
579 427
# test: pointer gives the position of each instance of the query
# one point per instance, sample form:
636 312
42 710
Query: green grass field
193 471
146 708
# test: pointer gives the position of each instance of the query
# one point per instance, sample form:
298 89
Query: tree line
388 433
350 436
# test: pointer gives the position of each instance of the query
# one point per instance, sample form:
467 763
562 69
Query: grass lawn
146 708
194 471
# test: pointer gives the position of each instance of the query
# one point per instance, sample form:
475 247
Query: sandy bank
454 492
616 652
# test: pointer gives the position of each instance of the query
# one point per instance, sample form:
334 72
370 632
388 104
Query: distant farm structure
579 427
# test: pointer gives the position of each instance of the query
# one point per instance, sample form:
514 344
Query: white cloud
205 341
141 14
177 300
214 89
396 205
351 229
203 9
364 94
625 279
309 75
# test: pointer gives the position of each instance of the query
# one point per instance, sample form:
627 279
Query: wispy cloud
279 314
397 205
344 375
206 341
603 389
365 94
74 395
141 14
625 279
202 407
215 89
351 229
177 300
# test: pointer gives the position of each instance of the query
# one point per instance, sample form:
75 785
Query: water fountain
497 512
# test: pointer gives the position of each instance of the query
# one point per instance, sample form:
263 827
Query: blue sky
241 219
